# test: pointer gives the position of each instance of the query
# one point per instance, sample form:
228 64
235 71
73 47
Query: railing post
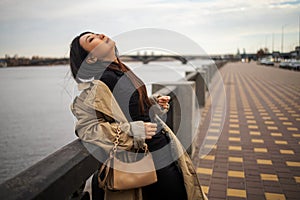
210 72
200 85
206 70
181 116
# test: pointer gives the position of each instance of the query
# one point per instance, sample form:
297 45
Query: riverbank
34 61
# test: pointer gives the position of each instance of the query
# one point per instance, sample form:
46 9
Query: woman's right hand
150 129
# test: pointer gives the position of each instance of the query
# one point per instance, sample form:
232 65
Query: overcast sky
46 27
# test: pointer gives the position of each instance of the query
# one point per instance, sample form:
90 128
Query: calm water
35 118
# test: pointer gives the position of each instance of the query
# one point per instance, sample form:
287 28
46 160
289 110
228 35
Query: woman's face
98 44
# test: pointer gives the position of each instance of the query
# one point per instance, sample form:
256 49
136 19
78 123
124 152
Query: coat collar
85 85
101 99
82 86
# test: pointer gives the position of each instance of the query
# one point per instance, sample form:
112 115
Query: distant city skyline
46 28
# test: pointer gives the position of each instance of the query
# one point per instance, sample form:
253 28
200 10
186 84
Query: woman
105 80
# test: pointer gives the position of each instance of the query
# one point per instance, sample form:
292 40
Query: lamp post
282 37
272 42
299 31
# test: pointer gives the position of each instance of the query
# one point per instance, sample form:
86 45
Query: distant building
276 56
3 63
297 52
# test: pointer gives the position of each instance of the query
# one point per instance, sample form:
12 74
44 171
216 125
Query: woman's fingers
163 99
150 129
150 125
164 105
149 136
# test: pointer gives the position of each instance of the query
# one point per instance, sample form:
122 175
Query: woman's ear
91 59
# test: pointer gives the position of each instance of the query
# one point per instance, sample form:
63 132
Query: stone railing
63 174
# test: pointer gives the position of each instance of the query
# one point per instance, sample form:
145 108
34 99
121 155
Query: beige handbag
115 174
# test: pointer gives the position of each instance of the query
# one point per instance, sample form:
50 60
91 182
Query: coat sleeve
96 125
101 132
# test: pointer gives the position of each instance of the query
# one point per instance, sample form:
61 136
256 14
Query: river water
35 118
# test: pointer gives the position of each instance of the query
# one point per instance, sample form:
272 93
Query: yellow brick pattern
257 141
234 131
297 179
274 196
236 193
261 122
276 134
292 164
235 159
204 171
261 150
269 177
280 142
284 151
264 162
255 133
235 148
238 174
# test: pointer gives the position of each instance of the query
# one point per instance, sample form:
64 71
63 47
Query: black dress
170 183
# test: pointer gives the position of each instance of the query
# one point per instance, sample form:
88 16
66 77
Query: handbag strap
117 142
107 164
104 170
117 138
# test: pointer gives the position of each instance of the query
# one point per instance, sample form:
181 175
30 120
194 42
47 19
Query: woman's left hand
163 101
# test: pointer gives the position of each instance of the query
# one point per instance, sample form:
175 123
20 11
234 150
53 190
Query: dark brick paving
257 155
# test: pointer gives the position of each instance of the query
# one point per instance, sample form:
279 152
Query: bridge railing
63 174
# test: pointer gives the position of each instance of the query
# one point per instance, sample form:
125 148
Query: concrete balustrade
62 175
181 112
200 86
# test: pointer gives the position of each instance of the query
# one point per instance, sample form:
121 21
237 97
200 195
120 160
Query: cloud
47 27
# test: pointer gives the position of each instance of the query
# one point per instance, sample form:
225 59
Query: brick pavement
257 155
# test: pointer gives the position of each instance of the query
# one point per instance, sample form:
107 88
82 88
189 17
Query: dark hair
77 57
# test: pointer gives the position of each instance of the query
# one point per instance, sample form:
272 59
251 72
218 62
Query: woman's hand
163 101
150 129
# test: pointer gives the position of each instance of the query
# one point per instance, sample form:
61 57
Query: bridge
145 59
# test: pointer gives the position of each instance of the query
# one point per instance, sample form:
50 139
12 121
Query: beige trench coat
98 115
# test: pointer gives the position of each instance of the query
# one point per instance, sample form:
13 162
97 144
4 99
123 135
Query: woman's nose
101 36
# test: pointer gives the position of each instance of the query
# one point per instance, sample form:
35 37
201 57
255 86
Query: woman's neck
116 60
111 57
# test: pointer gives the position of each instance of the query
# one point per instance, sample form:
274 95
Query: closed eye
91 39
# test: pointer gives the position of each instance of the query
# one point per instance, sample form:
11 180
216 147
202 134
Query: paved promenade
257 155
